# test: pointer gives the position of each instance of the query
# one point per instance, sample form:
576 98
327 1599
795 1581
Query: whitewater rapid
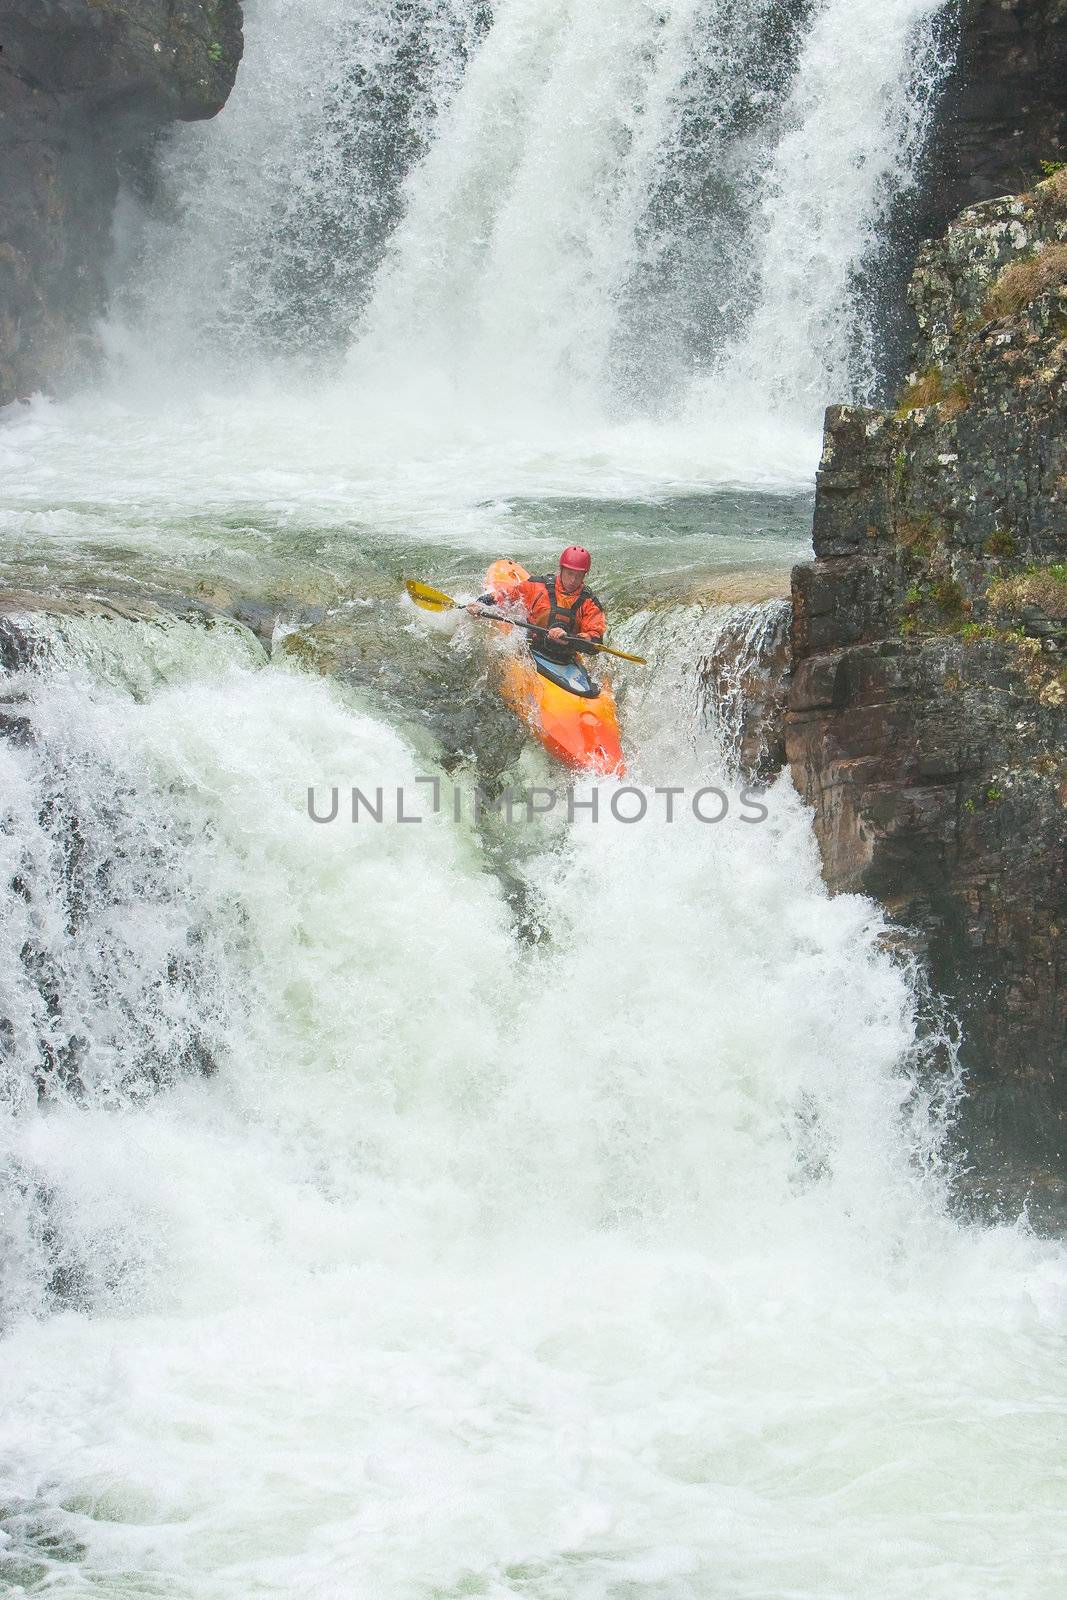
617 1264
424 1211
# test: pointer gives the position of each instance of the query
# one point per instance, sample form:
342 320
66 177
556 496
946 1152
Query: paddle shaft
436 600
588 646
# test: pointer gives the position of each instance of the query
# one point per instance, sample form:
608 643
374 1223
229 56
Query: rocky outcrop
1004 110
927 719
85 86
742 675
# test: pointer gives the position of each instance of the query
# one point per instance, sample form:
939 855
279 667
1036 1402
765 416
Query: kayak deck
569 712
580 728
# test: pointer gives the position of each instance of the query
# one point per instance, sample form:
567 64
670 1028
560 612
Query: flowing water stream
556 1211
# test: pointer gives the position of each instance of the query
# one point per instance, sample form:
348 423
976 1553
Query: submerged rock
745 675
927 718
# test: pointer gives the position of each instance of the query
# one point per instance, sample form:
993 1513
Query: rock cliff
85 85
927 718
1005 106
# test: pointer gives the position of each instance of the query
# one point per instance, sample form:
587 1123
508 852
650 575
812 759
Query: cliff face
1005 107
85 85
927 719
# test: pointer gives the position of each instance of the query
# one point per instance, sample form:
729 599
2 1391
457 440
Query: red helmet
574 556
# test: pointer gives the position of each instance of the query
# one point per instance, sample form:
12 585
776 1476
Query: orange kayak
580 729
571 713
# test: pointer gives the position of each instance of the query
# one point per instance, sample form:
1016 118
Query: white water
852 133
618 1265
419 1296
506 285
635 233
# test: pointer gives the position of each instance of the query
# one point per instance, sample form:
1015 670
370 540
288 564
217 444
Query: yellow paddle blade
429 599
609 650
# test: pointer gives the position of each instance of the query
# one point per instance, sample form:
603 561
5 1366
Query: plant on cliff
972 631
919 537
1000 543
1025 281
935 605
1043 588
929 389
1050 197
926 389
956 400
948 597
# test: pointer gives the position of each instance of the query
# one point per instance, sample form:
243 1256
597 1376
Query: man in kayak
560 603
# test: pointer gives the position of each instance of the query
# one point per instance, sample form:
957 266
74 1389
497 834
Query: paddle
435 600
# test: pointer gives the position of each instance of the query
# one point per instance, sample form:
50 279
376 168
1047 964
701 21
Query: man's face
570 581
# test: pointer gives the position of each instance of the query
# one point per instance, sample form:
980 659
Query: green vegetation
215 51
929 389
943 594
947 596
1043 587
925 390
919 536
1026 280
1000 543
1050 197
956 400
970 631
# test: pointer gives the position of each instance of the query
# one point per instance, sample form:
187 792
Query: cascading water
266 228
556 1211
850 140
622 210
418 1296
603 158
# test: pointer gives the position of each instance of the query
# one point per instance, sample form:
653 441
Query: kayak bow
572 715
568 712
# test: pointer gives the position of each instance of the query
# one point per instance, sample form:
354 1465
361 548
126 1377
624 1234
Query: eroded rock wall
927 719
85 86
1005 106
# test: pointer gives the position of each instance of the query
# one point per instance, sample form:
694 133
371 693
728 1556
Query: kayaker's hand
556 633
474 609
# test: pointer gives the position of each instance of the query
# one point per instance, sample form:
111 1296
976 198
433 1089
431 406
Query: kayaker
560 602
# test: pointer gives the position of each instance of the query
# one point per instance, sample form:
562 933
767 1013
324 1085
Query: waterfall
263 229
558 178
583 209
850 140
556 1208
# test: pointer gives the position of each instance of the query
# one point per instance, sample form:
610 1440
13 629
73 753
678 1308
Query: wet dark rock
85 87
927 719
744 676
29 620
1004 110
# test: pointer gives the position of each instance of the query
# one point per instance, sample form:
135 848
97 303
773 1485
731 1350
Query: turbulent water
554 1209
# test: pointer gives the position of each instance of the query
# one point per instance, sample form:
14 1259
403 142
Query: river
558 1210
